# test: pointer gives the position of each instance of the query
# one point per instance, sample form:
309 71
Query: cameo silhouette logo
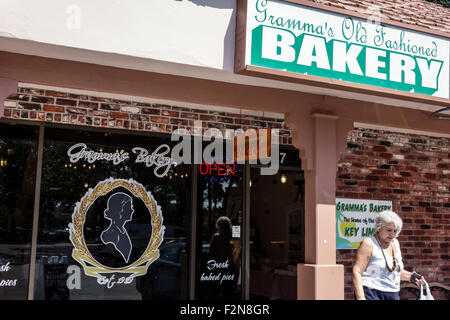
120 211
114 254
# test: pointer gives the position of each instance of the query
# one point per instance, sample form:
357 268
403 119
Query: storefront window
219 230
18 160
276 229
109 203
114 220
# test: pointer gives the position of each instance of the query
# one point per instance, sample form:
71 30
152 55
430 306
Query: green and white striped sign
299 39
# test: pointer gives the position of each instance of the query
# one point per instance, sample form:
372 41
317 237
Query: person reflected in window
220 247
222 259
119 211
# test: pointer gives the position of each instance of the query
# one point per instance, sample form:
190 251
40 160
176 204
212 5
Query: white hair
385 217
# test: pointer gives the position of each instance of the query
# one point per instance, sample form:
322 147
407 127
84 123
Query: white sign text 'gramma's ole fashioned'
290 37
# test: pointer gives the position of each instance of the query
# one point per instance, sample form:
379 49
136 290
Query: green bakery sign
290 37
355 220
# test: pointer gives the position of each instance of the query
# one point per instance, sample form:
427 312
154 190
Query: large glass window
219 230
114 220
107 204
18 160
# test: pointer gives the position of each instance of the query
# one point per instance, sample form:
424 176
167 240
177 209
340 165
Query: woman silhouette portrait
119 211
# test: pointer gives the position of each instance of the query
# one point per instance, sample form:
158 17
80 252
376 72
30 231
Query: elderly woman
378 267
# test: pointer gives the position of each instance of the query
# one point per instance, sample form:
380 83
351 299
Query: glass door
276 229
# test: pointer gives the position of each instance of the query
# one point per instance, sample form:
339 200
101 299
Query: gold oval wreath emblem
81 253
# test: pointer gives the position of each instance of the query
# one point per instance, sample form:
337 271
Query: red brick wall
63 107
412 171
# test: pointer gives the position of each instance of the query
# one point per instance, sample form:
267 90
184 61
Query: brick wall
413 171
59 106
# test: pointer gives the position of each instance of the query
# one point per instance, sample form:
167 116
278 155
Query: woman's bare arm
361 261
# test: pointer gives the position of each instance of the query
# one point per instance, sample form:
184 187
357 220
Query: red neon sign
222 169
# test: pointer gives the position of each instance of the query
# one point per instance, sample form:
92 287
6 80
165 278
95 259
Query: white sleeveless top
377 276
